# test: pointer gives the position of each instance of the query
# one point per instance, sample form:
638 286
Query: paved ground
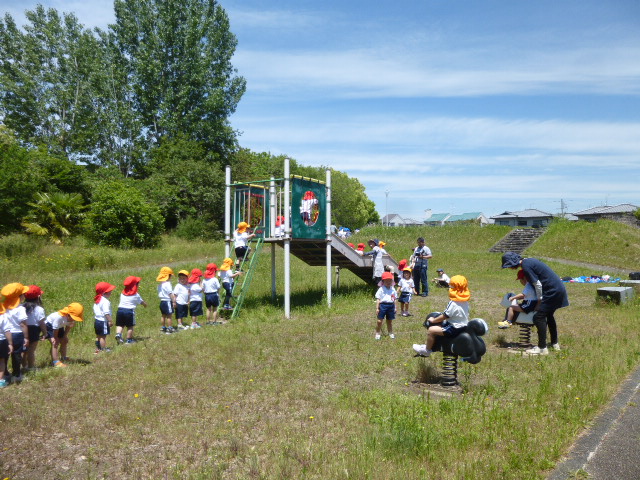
593 269
610 449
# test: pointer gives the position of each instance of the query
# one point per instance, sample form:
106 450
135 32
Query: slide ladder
243 282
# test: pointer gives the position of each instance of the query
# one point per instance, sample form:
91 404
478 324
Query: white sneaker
377 336
392 335
421 350
537 351
556 346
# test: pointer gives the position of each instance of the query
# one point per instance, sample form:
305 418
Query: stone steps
517 240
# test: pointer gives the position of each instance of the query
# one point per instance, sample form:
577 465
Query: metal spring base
449 370
525 335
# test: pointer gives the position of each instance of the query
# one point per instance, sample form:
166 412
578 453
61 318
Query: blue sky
450 106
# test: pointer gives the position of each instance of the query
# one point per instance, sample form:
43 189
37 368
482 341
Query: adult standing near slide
419 266
551 296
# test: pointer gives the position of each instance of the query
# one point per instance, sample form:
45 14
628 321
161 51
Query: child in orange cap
35 325
195 297
167 299
58 326
386 304
241 242
6 347
16 317
126 314
453 320
181 296
102 314
227 276
211 287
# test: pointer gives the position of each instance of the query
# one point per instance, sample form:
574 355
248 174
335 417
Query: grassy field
313 396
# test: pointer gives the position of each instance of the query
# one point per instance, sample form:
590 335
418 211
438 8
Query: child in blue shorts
406 288
126 314
102 314
211 287
167 298
386 304
453 320
35 325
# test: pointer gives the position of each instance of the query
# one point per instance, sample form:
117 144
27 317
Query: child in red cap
386 304
35 325
102 313
195 297
211 287
126 314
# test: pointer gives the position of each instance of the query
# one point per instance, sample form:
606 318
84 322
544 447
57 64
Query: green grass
313 396
604 242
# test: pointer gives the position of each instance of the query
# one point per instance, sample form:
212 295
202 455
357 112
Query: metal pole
273 272
287 242
272 227
328 234
386 206
227 211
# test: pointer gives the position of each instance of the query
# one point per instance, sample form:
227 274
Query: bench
635 284
616 295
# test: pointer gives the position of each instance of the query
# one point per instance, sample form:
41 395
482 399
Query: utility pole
386 206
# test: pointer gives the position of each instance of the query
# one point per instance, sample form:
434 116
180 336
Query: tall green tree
46 76
178 55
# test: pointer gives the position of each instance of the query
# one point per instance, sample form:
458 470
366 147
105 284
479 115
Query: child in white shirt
529 300
211 287
181 299
59 324
35 325
6 348
167 299
126 314
195 296
226 277
405 289
102 315
386 304
16 317
453 320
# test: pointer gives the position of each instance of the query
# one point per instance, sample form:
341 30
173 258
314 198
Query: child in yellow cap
453 320
241 241
226 277
58 326
16 317
167 299
6 347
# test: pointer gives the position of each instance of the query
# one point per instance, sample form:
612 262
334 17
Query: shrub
17 244
119 216
196 229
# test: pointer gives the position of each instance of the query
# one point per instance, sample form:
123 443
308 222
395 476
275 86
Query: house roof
608 209
390 217
437 217
529 213
464 216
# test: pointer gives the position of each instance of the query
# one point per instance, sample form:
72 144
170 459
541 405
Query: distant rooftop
608 209
529 213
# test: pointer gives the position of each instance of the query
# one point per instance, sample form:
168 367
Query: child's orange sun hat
226 264
12 293
165 273
74 310
242 226
459 289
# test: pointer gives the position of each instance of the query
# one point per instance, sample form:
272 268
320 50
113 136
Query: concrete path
610 449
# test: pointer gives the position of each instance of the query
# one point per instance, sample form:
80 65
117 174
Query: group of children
186 298
23 324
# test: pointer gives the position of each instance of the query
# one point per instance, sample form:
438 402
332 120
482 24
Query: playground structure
295 213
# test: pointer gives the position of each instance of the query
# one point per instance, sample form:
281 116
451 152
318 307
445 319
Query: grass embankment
314 396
